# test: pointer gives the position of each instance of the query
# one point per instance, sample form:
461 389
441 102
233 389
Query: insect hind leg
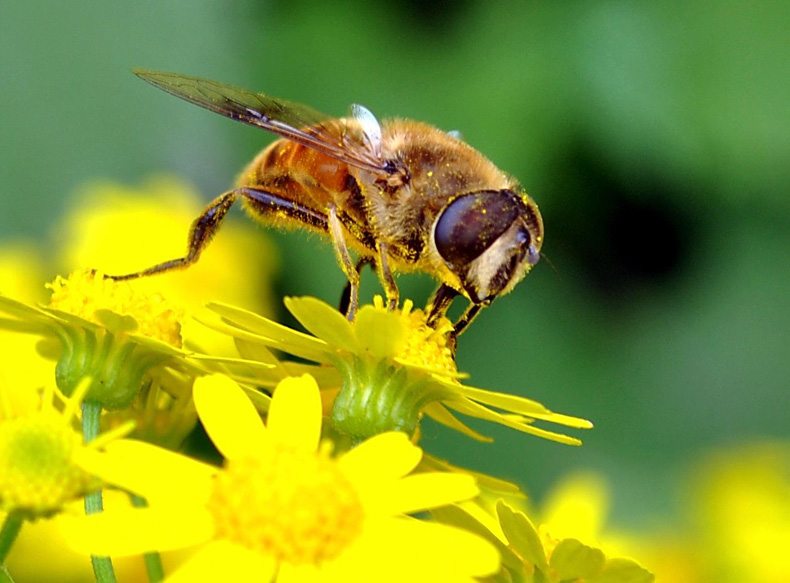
207 224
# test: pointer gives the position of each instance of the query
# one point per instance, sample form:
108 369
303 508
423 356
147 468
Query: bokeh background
654 136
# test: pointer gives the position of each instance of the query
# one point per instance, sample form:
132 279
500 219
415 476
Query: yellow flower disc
37 474
83 293
295 506
424 346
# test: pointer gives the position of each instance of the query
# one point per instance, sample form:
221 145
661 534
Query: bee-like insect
402 194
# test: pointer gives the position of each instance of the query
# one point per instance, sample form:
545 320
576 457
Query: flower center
36 469
294 505
424 346
84 294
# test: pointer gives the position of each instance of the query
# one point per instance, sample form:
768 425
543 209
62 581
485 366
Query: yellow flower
535 554
121 229
390 369
282 507
102 330
90 295
741 507
38 475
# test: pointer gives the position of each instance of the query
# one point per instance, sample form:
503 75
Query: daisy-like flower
533 554
100 329
387 369
564 547
282 507
121 228
38 447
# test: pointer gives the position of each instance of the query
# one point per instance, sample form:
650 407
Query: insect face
489 240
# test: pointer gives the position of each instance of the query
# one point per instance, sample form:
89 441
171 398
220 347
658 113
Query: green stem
153 561
102 566
11 527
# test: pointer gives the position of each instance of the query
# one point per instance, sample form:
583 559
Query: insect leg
206 225
440 303
344 258
466 318
385 275
345 297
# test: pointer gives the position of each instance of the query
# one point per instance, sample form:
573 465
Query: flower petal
473 409
440 414
229 417
381 333
484 481
522 535
246 325
385 457
224 561
418 552
522 406
295 413
133 531
324 321
447 548
150 471
425 491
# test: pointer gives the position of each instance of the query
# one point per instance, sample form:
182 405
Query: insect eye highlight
472 222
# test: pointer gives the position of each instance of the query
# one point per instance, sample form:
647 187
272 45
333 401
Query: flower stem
11 527
102 566
153 561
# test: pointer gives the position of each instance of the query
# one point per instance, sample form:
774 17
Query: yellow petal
380 332
148 470
133 531
577 507
414 551
444 549
440 414
273 333
229 417
325 322
295 413
473 409
224 561
425 491
385 457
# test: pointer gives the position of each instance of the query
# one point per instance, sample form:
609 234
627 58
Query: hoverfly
402 194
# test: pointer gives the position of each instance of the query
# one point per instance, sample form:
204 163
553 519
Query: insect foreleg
439 303
344 258
206 225
466 318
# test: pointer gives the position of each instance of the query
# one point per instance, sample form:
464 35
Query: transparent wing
352 141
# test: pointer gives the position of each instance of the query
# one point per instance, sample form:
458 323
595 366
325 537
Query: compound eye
472 222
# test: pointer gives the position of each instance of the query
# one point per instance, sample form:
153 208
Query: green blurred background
654 136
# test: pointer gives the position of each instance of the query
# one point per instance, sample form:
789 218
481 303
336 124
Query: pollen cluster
425 346
83 293
37 474
295 506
